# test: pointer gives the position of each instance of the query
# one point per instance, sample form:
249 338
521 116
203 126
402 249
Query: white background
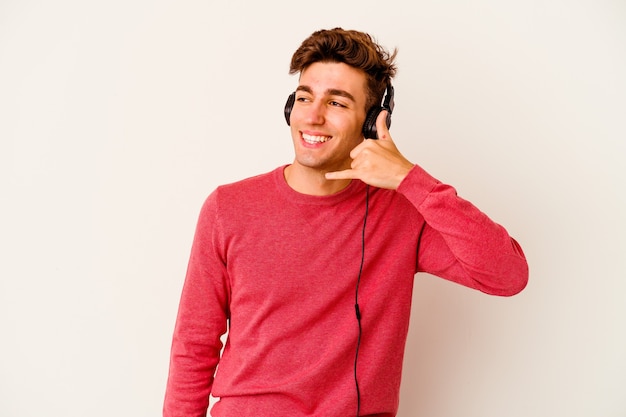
118 118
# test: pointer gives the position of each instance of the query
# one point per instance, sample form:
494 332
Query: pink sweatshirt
282 268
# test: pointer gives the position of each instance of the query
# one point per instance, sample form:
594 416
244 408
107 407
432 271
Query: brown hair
357 49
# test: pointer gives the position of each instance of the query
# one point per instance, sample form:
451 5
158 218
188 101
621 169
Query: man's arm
201 321
461 243
458 242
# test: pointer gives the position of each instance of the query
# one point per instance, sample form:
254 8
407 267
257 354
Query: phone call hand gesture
376 162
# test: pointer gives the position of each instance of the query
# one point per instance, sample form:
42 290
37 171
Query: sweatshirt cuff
417 185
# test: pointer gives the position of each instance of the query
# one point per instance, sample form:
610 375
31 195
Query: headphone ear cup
289 106
369 127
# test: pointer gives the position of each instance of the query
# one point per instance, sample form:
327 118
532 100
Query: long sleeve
201 321
460 243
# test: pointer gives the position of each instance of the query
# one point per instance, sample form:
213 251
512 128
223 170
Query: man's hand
376 162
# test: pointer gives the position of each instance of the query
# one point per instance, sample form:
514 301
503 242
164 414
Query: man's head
342 75
351 47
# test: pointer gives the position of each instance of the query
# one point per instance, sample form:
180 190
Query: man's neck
311 181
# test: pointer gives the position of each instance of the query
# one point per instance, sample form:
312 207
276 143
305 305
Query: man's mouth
313 140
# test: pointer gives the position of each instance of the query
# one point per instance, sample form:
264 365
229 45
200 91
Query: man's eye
336 104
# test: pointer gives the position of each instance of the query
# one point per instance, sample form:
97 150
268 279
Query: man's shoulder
250 183
248 188
248 196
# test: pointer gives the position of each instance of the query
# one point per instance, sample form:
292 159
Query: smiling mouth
313 140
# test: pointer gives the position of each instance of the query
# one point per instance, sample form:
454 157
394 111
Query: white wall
118 118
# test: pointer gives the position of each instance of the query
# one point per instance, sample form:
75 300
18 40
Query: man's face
328 115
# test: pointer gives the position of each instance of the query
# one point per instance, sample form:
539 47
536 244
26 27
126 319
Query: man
310 267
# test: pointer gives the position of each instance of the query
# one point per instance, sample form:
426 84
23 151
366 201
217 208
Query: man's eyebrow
330 92
342 93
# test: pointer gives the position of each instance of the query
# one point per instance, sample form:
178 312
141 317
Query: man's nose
315 113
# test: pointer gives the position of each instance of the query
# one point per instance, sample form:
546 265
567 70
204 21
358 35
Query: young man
310 267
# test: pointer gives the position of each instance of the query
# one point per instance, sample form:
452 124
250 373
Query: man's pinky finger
340 175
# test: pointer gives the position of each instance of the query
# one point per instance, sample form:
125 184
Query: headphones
369 126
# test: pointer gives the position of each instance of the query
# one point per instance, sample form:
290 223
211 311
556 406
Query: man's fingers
381 126
341 175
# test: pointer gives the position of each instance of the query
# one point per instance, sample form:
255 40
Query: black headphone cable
356 302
